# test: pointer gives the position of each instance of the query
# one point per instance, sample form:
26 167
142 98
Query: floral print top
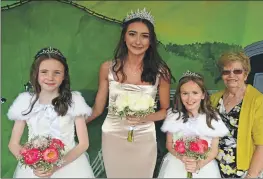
227 145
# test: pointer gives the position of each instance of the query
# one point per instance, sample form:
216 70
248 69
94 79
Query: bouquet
133 104
42 152
192 147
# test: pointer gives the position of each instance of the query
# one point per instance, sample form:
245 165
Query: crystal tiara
49 50
141 14
189 73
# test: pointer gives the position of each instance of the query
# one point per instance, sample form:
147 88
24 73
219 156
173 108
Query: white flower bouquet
133 104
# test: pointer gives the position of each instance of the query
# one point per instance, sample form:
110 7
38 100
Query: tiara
49 50
189 73
141 14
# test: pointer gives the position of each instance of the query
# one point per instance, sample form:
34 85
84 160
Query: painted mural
192 35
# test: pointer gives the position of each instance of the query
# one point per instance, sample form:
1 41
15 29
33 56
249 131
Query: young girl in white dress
192 115
55 111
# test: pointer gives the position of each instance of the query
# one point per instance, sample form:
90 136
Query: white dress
43 120
172 167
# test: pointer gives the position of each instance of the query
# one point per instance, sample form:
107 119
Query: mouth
137 48
232 80
50 84
190 104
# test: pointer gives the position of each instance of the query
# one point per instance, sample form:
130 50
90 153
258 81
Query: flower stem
130 135
189 175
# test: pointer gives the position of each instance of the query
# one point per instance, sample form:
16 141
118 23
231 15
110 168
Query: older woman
241 108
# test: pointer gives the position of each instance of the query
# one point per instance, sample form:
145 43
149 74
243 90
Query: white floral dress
228 144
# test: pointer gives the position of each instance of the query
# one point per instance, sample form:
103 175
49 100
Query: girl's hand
40 172
182 158
192 165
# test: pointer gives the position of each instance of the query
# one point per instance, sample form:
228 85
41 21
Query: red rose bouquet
42 152
192 147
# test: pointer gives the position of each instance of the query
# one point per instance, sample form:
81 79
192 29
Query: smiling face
191 95
233 75
50 75
137 38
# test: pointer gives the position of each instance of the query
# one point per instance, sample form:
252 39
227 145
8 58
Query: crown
189 73
49 50
141 14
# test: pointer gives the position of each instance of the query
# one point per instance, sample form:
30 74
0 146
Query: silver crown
189 73
50 50
142 14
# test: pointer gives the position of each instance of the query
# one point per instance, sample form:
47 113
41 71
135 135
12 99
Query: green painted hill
184 22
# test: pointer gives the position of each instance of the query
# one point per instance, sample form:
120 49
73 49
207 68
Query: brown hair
64 100
205 106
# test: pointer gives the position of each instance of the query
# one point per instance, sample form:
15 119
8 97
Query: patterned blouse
227 145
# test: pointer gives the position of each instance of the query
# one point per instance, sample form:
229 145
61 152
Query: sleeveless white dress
43 120
172 167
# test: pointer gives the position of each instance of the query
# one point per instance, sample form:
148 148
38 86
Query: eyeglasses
236 72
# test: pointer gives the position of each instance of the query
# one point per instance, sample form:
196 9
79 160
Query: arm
164 97
83 138
193 166
73 154
102 94
256 164
14 143
170 147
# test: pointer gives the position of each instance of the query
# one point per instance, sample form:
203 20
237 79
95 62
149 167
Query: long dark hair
153 64
62 102
205 106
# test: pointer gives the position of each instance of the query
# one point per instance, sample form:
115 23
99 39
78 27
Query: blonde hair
230 57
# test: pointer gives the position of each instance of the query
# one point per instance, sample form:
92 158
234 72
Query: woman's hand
40 172
132 120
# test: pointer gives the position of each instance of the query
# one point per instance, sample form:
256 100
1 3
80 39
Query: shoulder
219 128
79 107
214 98
106 65
254 93
21 104
172 123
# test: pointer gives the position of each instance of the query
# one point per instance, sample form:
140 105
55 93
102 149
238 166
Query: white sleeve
79 107
171 124
20 106
220 129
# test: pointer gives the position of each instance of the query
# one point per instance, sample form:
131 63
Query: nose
50 76
138 40
189 97
231 74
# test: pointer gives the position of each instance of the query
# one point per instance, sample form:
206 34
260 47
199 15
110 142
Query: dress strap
111 73
157 80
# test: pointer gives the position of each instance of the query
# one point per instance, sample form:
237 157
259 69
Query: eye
131 34
57 73
43 71
195 92
145 36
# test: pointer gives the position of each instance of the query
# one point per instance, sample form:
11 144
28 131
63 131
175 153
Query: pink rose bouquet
192 147
42 152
